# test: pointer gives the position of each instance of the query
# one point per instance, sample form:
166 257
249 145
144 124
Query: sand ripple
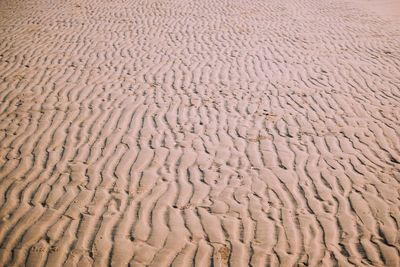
198 132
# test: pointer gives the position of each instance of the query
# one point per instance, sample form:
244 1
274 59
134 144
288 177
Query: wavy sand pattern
198 132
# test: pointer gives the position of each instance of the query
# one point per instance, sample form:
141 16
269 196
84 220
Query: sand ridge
206 133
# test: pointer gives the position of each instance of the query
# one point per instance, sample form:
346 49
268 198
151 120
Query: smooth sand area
199 133
389 9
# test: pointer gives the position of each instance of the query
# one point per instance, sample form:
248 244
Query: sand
387 9
199 132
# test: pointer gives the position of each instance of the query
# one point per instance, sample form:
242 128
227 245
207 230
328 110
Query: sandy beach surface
199 133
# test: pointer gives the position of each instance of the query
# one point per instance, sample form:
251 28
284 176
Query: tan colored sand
387 9
198 132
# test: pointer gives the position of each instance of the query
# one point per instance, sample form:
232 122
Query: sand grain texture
198 132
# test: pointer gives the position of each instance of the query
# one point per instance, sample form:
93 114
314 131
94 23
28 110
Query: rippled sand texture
198 132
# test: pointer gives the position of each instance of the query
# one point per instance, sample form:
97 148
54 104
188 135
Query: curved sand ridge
184 132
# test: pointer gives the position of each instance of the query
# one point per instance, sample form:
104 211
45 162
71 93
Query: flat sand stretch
199 132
